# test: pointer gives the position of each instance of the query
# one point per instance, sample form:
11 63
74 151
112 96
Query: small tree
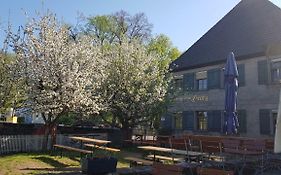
12 87
63 75
162 47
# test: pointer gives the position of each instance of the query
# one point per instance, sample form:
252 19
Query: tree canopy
114 66
115 27
62 75
12 86
135 83
138 75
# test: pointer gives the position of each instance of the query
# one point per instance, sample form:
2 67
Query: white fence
27 143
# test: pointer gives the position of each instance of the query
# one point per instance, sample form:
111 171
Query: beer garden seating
222 152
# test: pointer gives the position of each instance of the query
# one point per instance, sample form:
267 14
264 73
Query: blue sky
183 21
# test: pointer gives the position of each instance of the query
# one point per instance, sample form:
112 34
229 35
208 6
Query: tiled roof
247 30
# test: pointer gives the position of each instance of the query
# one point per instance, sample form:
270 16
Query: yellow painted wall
12 119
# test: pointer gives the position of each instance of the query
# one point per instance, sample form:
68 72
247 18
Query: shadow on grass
77 159
69 173
51 162
25 154
61 171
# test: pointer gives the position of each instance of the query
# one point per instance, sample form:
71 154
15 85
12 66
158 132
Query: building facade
252 30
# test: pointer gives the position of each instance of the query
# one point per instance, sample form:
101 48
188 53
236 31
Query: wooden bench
134 161
81 151
103 148
164 169
159 157
212 171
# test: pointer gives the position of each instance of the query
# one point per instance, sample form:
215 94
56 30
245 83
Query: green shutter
188 120
265 121
242 119
214 121
167 122
214 78
241 78
262 72
188 81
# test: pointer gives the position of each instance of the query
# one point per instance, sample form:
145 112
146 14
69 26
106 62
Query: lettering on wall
197 98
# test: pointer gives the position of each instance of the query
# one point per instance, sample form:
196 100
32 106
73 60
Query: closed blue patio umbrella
231 87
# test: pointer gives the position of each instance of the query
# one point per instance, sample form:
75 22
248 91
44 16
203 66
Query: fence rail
27 143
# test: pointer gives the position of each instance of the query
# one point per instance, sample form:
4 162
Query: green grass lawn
44 163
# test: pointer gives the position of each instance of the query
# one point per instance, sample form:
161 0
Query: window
202 84
276 70
202 120
201 78
178 121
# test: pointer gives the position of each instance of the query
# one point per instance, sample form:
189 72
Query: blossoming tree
63 75
135 83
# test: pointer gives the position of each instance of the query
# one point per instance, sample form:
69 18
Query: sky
183 21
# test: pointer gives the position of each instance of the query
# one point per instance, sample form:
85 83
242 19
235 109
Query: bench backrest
210 146
194 144
163 141
269 145
162 169
254 145
211 171
231 143
178 143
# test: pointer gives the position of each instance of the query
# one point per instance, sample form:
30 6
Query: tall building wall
257 101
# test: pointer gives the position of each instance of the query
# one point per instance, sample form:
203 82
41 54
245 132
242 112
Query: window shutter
241 78
178 85
188 120
242 119
265 121
214 121
167 122
188 81
262 72
213 78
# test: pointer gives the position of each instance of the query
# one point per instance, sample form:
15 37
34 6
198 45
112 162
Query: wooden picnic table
170 151
103 148
85 139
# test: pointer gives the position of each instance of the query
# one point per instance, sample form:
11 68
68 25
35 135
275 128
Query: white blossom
63 75
135 82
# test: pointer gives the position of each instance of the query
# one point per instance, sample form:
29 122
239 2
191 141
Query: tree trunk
50 128
126 133
53 134
47 131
